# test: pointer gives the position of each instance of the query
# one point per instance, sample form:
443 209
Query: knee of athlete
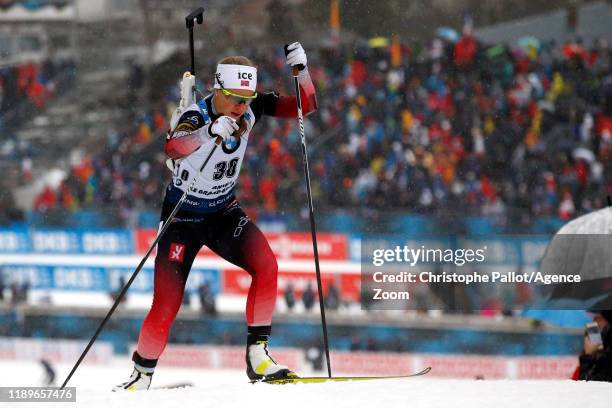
266 266
162 319
164 311
272 268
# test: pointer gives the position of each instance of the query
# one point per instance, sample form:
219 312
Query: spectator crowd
25 90
507 132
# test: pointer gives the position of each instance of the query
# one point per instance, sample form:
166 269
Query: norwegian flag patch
177 252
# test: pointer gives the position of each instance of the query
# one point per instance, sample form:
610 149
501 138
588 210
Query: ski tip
174 386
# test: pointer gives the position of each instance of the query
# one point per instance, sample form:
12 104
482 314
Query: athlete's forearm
179 147
286 106
187 134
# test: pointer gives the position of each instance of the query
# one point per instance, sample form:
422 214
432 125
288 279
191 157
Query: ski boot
141 376
260 365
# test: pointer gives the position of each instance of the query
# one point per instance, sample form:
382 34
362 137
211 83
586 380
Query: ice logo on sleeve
177 252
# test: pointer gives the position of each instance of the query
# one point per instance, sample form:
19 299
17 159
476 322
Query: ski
314 380
173 386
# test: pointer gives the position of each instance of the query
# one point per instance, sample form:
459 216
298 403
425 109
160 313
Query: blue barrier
287 334
15 240
148 219
99 278
330 221
95 241
339 222
547 225
87 219
480 226
411 224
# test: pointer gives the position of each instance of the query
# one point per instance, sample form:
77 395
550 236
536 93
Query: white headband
236 77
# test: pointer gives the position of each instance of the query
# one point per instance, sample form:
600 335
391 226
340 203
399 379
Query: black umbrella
582 247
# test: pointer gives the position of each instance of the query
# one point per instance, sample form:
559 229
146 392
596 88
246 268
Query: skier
49 380
211 214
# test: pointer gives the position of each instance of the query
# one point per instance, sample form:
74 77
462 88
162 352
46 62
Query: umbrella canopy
529 42
597 222
378 42
584 154
582 247
495 51
448 34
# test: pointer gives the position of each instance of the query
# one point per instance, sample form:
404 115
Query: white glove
296 55
223 127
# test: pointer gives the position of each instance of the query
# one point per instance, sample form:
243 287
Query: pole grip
197 15
295 70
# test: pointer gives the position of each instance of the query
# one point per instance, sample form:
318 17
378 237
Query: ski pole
197 15
295 71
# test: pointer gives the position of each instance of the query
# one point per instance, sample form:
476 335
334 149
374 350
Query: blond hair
237 60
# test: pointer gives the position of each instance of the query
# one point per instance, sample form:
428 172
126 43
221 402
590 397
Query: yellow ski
314 380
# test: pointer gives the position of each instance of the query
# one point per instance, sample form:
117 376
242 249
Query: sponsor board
53 350
502 250
284 245
545 367
81 241
220 357
299 246
454 366
97 278
237 282
369 363
66 241
14 241
383 363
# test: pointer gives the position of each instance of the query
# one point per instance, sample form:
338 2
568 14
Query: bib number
225 169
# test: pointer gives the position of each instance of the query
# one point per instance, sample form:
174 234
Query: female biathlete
211 214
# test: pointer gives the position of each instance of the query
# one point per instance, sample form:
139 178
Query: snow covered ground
230 389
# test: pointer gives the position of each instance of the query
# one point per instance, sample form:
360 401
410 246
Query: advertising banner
97 278
286 246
